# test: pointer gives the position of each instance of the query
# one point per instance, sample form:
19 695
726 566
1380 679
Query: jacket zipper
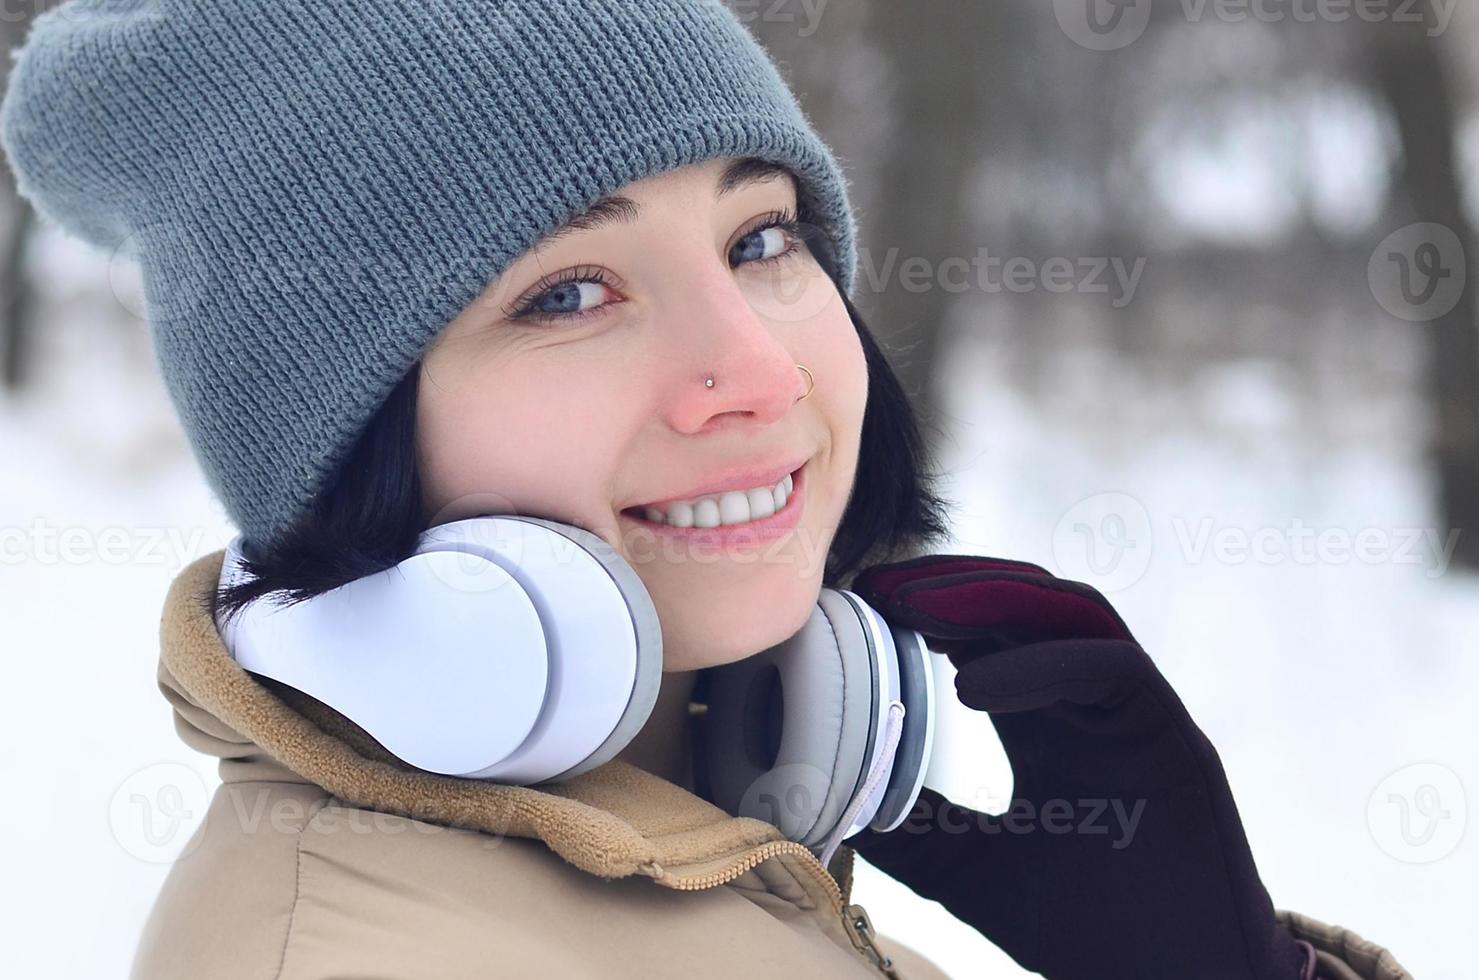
855 921
862 925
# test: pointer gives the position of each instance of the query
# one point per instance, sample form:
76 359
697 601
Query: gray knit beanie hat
312 190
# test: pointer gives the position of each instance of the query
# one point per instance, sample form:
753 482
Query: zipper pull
860 929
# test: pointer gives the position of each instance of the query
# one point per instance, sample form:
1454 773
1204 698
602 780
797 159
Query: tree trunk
1411 70
15 223
944 60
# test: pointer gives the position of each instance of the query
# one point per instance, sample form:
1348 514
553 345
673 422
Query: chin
740 633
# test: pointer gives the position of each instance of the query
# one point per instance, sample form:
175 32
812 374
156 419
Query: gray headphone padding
649 643
829 688
860 649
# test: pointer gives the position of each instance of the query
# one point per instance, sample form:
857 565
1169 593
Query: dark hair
371 516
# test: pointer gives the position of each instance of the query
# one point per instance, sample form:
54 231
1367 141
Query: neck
662 747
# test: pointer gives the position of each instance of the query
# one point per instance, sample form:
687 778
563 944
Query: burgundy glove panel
988 601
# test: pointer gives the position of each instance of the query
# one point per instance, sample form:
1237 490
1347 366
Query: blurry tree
919 82
1412 74
15 224
945 64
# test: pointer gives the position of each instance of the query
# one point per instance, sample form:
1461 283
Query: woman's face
574 389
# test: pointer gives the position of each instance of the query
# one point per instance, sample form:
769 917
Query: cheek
834 352
469 456
516 442
839 357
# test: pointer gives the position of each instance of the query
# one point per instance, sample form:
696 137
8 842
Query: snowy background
1235 457
1317 682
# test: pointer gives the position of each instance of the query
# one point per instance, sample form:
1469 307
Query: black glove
1159 882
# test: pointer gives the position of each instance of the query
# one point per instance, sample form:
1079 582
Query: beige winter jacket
322 856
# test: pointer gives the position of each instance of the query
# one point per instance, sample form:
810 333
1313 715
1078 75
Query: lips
757 532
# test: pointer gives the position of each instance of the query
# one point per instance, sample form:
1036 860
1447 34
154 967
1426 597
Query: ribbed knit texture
313 190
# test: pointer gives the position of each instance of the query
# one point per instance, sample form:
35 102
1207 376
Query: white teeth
733 507
762 503
706 513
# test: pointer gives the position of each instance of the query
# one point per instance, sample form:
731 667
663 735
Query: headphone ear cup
605 638
507 648
795 734
405 655
789 732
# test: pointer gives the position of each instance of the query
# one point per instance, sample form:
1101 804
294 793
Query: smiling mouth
733 508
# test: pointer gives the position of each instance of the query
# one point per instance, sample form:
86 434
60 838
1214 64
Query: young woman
581 259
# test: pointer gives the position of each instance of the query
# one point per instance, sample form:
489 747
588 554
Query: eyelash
786 220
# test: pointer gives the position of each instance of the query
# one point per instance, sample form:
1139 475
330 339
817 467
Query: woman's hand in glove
1122 855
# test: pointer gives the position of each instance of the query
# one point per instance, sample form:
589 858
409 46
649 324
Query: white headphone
523 651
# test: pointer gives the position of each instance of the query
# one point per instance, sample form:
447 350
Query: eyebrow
620 209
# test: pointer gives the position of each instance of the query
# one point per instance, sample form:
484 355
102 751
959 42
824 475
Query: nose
756 380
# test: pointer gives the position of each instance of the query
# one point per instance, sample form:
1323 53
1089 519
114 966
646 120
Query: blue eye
566 298
777 237
560 298
781 233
